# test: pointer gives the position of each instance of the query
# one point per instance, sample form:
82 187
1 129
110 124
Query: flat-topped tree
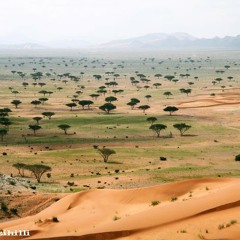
167 94
3 132
144 107
106 153
157 85
37 119
41 84
218 80
151 120
20 167
34 128
157 128
94 96
182 127
170 109
169 77
110 99
158 75
103 92
84 103
64 127
48 114
44 92
16 103
97 76
71 105
186 91
133 102
43 100
148 97
5 122
107 107
38 170
35 103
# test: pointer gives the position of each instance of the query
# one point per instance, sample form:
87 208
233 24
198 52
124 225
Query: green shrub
154 203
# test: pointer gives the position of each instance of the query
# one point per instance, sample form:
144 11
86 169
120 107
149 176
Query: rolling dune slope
191 209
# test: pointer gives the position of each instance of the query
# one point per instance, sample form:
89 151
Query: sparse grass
173 199
207 153
232 222
115 218
221 226
155 203
200 236
229 224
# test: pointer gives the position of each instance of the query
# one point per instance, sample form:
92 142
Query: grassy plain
207 150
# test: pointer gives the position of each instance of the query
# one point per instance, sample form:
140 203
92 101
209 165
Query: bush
4 207
55 219
154 203
237 158
14 211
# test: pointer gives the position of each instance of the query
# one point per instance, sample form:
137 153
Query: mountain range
154 41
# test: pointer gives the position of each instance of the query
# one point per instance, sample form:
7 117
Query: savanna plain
127 146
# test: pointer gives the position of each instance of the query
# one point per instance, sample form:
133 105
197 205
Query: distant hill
153 41
173 41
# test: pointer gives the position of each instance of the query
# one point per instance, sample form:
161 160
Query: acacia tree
84 103
151 120
64 127
37 119
38 170
5 122
182 127
133 102
107 107
170 109
3 132
148 97
20 167
167 94
144 107
110 99
43 100
35 103
71 105
157 128
157 85
48 114
106 153
34 128
16 103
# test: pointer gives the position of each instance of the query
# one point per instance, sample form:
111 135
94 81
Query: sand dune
191 209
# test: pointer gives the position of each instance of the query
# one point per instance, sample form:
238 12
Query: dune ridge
190 209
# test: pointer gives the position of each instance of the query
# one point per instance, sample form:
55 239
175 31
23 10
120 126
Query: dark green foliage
170 109
20 167
38 170
107 107
157 128
64 127
106 153
237 158
182 127
34 128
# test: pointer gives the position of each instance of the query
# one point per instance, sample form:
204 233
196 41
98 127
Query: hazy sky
104 20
